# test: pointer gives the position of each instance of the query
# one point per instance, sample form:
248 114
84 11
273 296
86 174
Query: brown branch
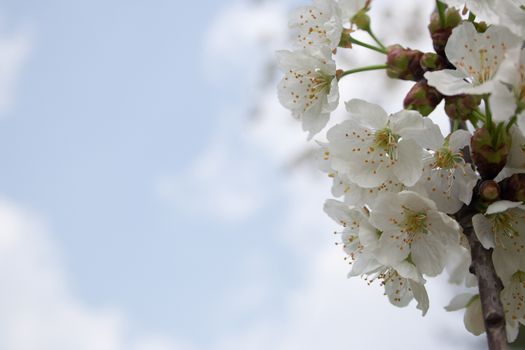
490 285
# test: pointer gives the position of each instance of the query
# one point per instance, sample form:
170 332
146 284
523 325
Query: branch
489 283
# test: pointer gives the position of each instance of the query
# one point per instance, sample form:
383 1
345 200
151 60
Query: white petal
444 227
412 126
483 229
473 318
459 139
408 270
367 114
428 254
505 264
452 82
393 248
365 263
501 206
420 294
409 165
397 290
460 301
512 331
338 211
503 103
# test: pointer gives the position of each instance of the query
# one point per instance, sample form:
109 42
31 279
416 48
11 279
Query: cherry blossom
477 57
309 87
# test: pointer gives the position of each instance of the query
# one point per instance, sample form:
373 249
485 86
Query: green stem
363 69
512 121
456 125
378 42
488 113
479 116
441 10
498 135
368 46
471 17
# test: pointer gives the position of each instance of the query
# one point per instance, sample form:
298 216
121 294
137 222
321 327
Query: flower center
485 72
446 159
415 221
320 82
387 140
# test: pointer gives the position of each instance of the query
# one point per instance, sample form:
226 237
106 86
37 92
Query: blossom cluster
401 184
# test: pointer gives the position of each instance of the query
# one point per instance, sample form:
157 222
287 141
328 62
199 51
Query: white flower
317 25
309 87
513 300
412 226
484 9
473 318
447 179
512 15
509 94
402 284
359 238
373 147
477 57
503 228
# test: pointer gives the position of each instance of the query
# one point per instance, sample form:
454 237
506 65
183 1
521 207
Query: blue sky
112 96
129 138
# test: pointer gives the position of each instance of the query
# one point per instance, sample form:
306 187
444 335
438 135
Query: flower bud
461 106
422 98
513 188
489 160
489 191
361 20
439 33
431 62
404 63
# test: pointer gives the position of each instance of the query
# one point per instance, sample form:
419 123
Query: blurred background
155 196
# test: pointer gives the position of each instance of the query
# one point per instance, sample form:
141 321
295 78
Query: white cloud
224 182
241 33
14 51
39 311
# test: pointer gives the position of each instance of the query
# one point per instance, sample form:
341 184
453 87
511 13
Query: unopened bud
513 188
431 62
489 191
422 98
440 33
404 63
489 160
460 107
361 20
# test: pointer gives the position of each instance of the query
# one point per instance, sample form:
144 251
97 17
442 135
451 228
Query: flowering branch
414 201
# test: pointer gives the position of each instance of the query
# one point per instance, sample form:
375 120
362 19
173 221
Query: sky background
152 195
